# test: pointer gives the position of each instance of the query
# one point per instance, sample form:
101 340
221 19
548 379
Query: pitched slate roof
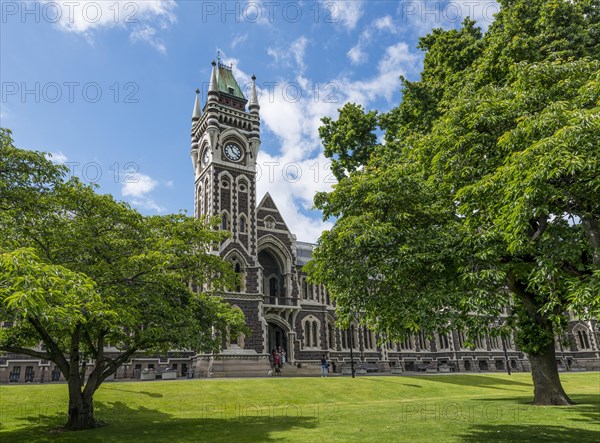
227 83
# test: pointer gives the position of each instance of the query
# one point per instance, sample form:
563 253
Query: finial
197 113
253 103
213 86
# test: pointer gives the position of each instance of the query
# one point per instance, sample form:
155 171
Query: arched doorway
277 337
273 278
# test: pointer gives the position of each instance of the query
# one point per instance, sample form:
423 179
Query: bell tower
225 143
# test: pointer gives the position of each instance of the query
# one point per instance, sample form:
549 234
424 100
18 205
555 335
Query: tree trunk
547 388
81 409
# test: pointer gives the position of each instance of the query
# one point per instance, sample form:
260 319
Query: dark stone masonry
281 308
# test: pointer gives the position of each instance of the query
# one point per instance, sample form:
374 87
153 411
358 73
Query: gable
267 211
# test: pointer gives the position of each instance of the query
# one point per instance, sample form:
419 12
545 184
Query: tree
486 193
79 270
350 140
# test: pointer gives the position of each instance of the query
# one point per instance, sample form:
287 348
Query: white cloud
385 24
147 34
294 172
347 13
297 50
147 203
57 157
238 39
137 185
144 18
291 56
397 60
357 55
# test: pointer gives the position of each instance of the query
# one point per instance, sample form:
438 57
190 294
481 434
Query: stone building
281 308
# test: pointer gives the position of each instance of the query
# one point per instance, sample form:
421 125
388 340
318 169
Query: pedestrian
324 366
277 361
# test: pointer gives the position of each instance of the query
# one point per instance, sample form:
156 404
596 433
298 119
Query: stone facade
289 312
281 308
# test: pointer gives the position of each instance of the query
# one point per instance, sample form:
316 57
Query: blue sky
108 86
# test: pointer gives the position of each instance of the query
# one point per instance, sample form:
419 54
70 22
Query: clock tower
225 143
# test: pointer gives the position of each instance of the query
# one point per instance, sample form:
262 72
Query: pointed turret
197 112
213 86
254 107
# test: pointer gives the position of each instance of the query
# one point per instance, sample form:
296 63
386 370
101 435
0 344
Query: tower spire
253 104
197 113
213 86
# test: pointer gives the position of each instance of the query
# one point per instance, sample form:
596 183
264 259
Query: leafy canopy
79 271
486 192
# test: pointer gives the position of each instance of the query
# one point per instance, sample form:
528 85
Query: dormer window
230 89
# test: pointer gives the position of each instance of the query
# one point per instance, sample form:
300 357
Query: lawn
443 408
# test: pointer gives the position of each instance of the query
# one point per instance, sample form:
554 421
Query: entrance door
277 338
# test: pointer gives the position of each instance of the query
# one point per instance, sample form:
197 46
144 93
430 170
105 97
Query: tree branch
538 227
88 341
528 300
27 351
54 350
95 378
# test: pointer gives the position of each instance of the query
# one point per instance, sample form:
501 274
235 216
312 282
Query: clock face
233 152
205 157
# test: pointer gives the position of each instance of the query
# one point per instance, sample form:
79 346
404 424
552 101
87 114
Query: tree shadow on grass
474 381
150 394
586 408
212 423
397 382
527 432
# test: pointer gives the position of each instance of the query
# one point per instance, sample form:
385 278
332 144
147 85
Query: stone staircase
291 370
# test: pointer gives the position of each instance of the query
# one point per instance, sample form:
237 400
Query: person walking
324 366
277 361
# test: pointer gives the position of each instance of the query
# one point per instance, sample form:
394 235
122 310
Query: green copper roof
227 82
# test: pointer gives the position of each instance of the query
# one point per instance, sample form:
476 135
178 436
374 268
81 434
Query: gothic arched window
273 284
224 222
242 224
331 336
307 332
443 342
238 270
461 339
583 340
422 341
205 213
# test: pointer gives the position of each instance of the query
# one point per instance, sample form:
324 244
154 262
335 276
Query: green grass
467 408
